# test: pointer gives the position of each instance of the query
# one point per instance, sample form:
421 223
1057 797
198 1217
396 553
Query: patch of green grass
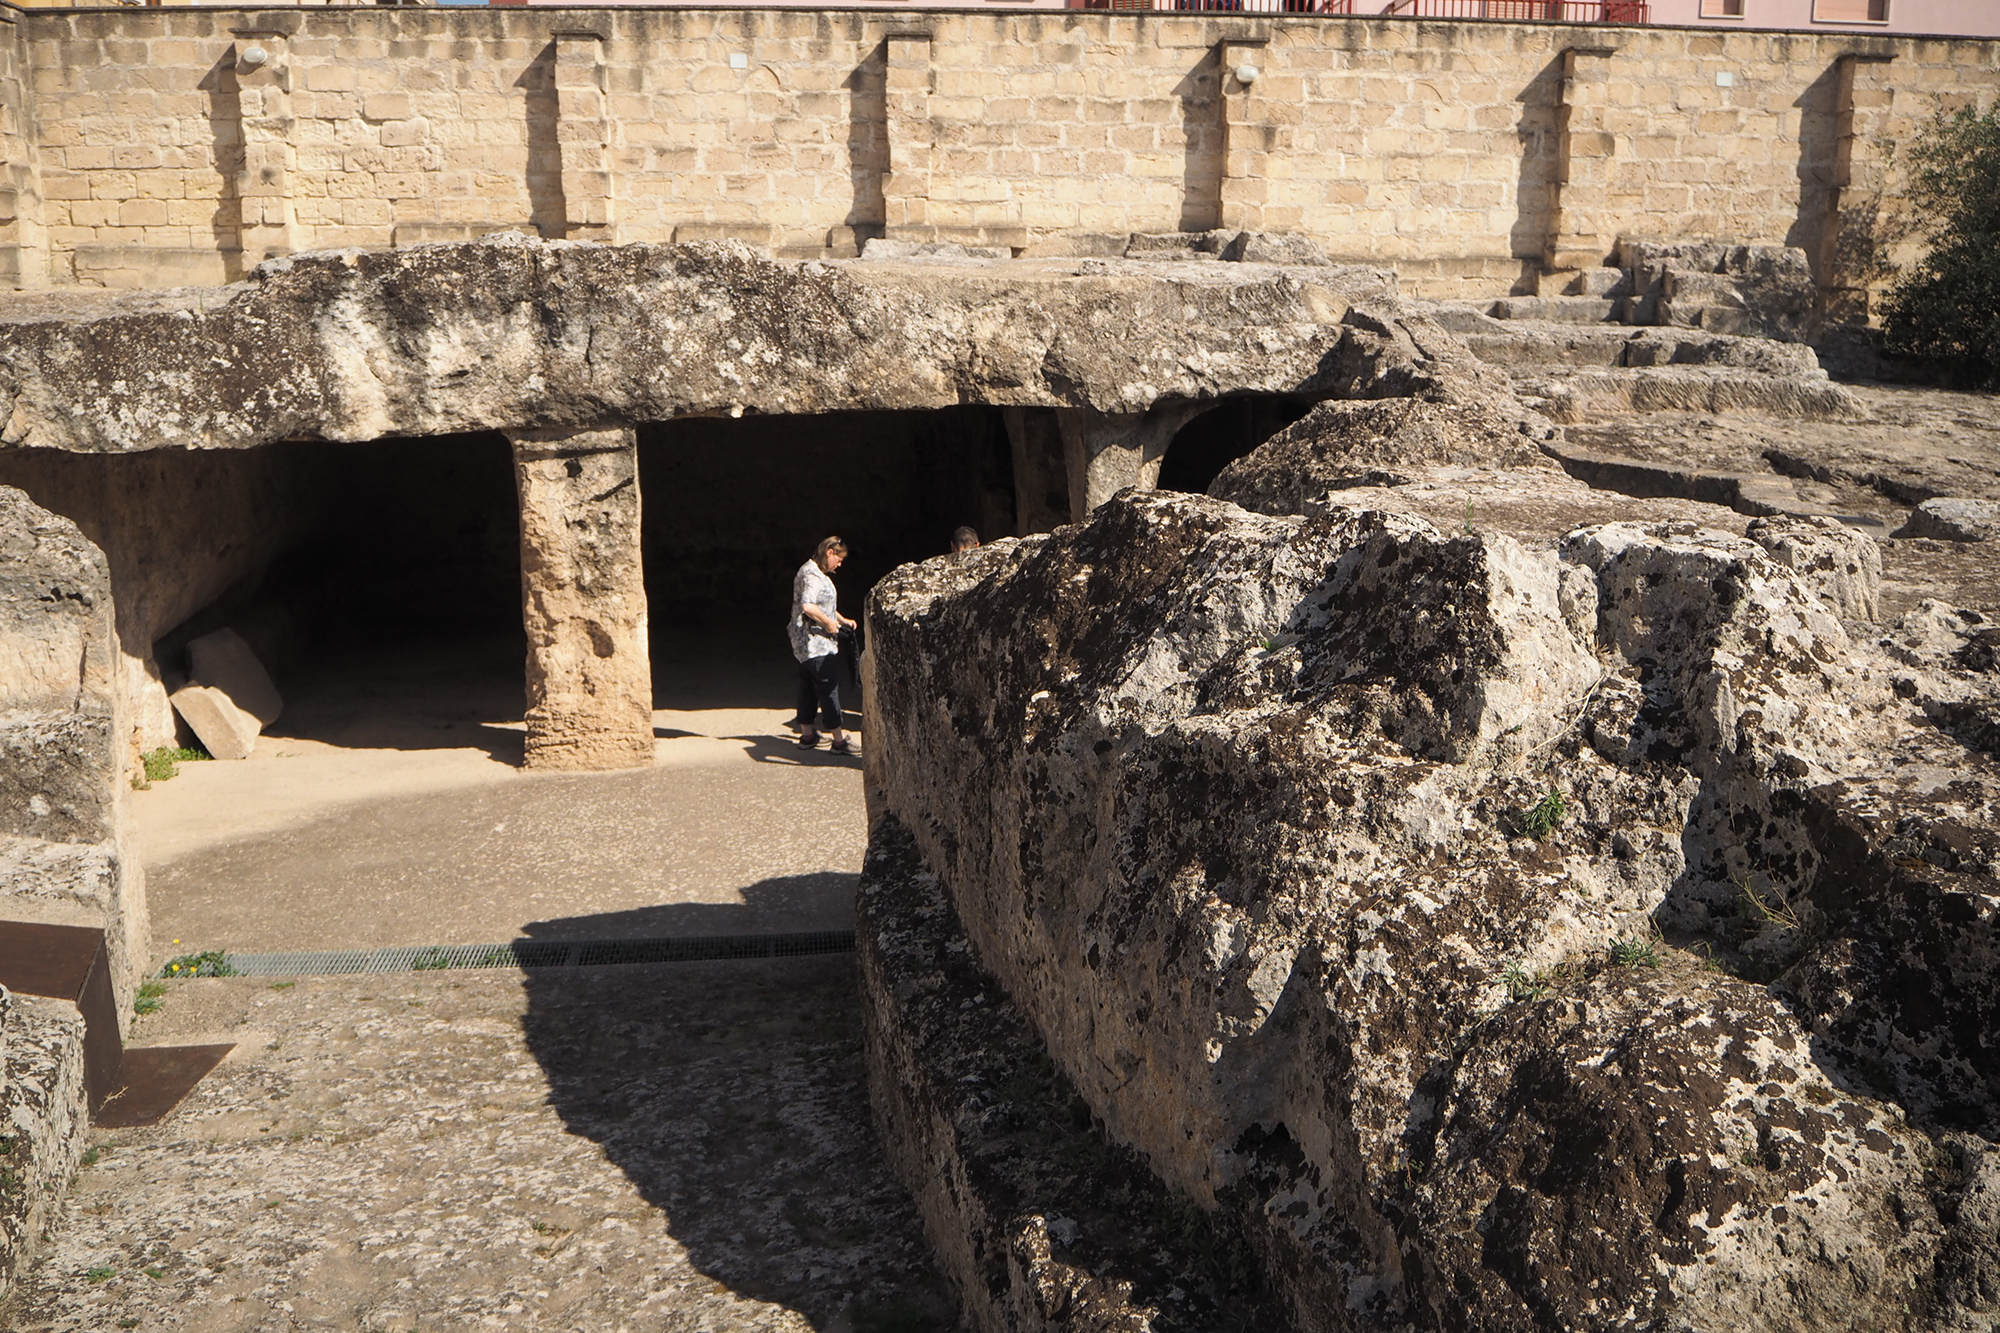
1765 908
128 1323
157 1274
165 762
1524 986
431 960
101 1273
283 985
1545 816
1635 953
150 995
91 1156
208 963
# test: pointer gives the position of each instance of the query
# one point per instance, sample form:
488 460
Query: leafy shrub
208 963
1946 311
165 762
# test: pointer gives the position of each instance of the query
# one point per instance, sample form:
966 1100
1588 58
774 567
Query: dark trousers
819 686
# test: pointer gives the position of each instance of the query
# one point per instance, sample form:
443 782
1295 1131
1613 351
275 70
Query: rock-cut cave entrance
733 506
381 583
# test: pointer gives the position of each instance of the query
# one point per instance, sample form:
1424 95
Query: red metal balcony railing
1534 11
1531 11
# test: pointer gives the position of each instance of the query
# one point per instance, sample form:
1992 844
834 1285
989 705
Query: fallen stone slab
1952 519
225 731
224 661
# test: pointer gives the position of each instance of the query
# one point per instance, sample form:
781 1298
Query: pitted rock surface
512 333
1302 843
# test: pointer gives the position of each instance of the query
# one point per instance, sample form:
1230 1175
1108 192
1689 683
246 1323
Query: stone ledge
41 1141
1038 1220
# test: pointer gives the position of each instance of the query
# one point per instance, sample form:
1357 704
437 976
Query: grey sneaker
808 739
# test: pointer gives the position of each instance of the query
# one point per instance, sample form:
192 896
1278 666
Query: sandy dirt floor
386 807
666 1147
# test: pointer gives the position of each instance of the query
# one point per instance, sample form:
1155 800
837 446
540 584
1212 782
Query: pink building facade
1944 18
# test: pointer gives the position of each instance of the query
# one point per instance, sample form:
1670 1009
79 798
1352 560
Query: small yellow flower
175 968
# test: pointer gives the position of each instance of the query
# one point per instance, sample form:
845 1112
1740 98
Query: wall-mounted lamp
253 56
1246 73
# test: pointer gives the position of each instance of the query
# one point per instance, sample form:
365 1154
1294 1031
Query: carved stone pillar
264 106
583 600
1107 451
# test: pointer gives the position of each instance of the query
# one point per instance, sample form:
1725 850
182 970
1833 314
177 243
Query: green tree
1947 309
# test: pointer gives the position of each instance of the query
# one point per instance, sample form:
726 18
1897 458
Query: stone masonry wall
1442 148
23 246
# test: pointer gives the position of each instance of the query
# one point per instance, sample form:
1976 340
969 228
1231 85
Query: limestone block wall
1466 154
23 246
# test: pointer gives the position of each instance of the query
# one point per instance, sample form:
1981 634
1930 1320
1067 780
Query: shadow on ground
732 1096
801 899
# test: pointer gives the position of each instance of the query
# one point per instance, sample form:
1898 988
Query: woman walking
815 630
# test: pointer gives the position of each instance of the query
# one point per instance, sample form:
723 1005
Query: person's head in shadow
963 540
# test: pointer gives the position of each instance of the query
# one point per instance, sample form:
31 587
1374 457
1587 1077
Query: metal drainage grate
541 953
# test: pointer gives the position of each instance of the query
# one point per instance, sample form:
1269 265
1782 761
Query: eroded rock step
1040 1221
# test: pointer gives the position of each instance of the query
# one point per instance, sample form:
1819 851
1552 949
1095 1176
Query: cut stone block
226 730
1690 287
1556 309
223 661
1950 519
1600 281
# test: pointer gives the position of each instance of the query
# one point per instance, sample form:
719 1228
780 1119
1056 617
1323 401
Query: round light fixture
254 56
1246 73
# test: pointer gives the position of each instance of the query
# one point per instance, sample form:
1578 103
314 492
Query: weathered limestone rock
1303 842
1106 453
515 333
62 860
223 661
1951 519
1841 565
1762 291
44 1122
1042 1224
57 703
583 599
1340 445
225 731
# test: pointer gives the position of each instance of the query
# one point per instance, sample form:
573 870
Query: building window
1850 11
1722 9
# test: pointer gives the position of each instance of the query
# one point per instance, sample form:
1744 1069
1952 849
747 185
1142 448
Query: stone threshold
534 954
